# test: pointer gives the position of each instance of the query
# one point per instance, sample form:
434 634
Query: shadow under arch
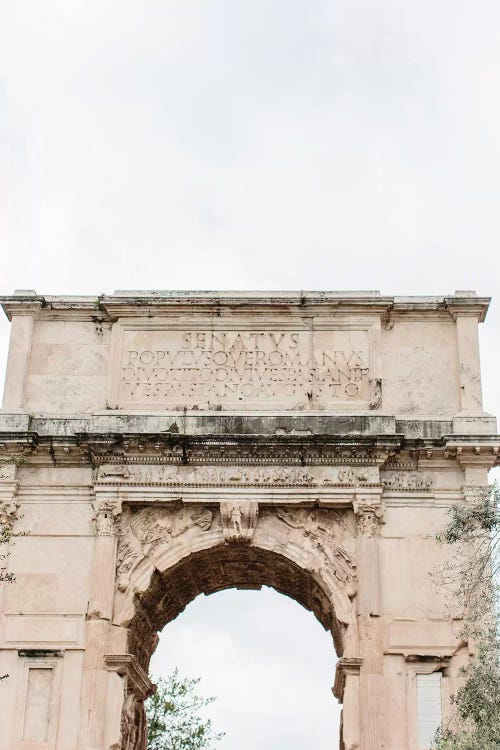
167 557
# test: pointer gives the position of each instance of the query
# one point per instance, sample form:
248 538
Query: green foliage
5 577
475 529
174 715
6 537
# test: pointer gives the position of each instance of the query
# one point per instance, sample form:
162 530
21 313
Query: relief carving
239 519
330 538
106 514
405 481
248 476
369 515
376 394
349 477
112 472
323 541
133 724
142 532
143 640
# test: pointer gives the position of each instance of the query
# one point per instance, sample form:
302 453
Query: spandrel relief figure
332 542
143 532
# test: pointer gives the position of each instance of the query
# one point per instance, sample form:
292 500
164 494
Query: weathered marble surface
157 445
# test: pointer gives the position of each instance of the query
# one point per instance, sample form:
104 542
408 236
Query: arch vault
155 446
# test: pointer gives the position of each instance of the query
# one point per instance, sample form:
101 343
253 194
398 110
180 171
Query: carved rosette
369 515
239 519
106 515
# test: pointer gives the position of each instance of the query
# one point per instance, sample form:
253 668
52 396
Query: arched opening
268 662
223 567
169 556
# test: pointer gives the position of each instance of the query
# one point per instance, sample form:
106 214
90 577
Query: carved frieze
405 481
234 476
239 519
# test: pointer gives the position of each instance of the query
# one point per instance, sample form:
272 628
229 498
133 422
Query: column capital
369 511
106 515
345 666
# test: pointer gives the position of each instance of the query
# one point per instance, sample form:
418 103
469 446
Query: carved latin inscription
231 368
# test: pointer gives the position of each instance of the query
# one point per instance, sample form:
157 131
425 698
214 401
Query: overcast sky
334 144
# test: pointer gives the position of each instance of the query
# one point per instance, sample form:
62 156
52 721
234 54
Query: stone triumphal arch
158 445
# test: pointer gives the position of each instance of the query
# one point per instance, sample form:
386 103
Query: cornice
127 666
480 450
345 666
243 450
476 307
385 451
166 303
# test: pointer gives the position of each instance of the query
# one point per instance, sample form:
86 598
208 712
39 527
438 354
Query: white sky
341 144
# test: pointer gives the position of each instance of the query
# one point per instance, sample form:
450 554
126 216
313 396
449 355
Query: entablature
387 452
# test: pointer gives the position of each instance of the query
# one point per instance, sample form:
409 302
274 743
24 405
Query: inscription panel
177 367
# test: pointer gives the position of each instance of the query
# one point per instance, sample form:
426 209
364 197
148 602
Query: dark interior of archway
222 567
